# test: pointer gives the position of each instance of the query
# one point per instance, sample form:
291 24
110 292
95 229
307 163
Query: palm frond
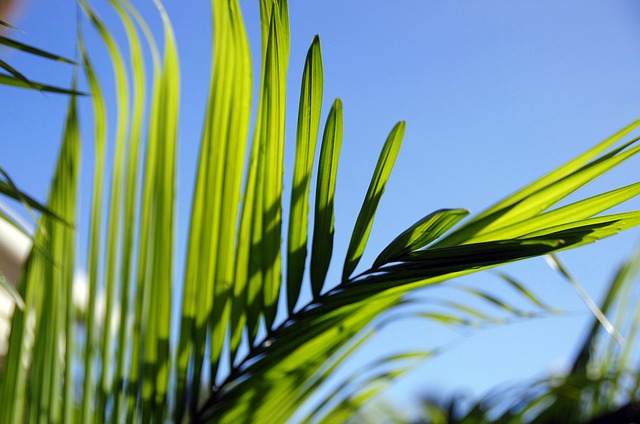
239 352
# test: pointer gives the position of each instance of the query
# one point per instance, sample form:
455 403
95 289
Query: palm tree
240 354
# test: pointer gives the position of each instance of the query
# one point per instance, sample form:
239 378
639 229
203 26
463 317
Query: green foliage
17 79
601 386
233 276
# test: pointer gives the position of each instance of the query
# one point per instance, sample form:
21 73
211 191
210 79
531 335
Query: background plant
353 304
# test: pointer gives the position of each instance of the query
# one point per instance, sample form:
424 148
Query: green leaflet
160 179
521 289
9 189
308 127
17 79
420 234
377 185
272 116
100 140
323 230
6 25
46 281
17 82
115 213
571 213
345 402
211 264
13 71
233 270
233 166
130 196
295 355
32 50
546 191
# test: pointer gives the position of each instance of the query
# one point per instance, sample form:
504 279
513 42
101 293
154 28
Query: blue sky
495 94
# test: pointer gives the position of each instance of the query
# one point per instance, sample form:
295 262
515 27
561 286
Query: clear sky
495 93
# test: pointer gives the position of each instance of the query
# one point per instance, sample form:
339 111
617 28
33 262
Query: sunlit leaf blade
420 234
274 385
567 214
435 262
211 263
323 229
332 366
18 82
271 136
115 209
592 229
238 264
307 135
160 181
542 200
32 50
538 196
376 188
439 261
248 271
130 202
240 73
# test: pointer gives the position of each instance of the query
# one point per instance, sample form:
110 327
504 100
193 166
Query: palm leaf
323 229
32 50
356 298
308 126
45 282
99 137
372 199
280 353
9 189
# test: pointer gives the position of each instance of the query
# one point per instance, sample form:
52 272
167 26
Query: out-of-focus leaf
99 138
115 214
524 291
9 188
46 288
33 50
364 384
7 25
554 263
17 82
13 71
